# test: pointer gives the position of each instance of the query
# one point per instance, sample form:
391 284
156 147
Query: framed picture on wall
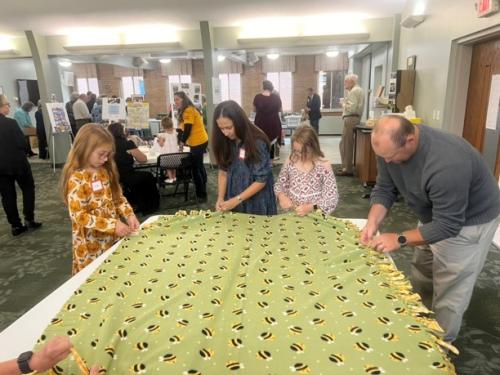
411 61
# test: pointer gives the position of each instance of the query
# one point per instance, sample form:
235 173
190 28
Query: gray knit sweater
446 183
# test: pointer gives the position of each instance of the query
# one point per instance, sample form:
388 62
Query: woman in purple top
267 107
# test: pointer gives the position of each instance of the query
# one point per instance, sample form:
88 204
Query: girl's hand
304 209
161 141
122 230
285 202
218 204
133 223
229 204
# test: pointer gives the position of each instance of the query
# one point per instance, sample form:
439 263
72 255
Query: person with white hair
352 110
81 112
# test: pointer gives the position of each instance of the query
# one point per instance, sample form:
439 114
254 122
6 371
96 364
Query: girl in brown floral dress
90 188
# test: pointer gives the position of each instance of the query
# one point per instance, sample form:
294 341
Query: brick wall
155 86
303 78
251 85
108 83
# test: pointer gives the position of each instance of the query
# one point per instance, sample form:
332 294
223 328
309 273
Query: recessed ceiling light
332 53
273 56
165 61
65 64
220 58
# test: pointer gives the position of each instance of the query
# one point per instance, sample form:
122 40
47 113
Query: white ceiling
57 17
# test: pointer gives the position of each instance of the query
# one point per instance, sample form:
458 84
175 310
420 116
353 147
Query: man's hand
218 204
385 243
55 351
367 233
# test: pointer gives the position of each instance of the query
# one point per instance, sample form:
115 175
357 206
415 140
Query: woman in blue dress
245 181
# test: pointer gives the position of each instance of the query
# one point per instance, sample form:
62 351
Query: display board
207 293
113 109
59 120
138 115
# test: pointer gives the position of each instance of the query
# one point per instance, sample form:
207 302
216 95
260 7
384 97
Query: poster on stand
138 115
59 119
113 109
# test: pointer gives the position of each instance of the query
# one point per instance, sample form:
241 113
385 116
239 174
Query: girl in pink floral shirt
306 180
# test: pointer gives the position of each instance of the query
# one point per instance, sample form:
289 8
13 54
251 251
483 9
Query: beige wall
431 42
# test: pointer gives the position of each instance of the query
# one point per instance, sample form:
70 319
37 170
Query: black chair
182 162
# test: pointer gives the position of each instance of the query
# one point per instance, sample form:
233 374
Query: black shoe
32 154
33 224
16 231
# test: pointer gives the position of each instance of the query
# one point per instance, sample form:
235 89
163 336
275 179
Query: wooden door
485 63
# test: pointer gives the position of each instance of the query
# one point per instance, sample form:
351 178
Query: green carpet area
34 264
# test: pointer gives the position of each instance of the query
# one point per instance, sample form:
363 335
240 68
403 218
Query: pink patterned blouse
317 186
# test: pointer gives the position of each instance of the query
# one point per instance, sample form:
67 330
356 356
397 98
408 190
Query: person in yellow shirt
194 135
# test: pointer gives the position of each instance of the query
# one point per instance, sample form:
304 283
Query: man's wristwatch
23 362
402 239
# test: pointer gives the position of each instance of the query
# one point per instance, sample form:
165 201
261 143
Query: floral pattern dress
93 215
317 186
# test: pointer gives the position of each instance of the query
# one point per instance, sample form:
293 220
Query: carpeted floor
34 264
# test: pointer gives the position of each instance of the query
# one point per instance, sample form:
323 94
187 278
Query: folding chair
182 162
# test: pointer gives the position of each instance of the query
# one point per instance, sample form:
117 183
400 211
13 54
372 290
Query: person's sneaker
169 181
33 224
16 231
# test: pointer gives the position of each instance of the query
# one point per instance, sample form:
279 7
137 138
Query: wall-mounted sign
486 8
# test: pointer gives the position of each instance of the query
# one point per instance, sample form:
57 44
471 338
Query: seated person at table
90 188
306 180
139 186
166 143
52 353
245 182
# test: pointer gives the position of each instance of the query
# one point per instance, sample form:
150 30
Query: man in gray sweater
445 181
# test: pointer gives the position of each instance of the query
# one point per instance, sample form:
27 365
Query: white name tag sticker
97 185
242 153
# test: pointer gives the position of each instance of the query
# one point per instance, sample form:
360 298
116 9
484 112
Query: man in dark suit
14 167
313 108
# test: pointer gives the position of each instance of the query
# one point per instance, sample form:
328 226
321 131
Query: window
331 88
282 82
180 78
230 87
85 85
132 86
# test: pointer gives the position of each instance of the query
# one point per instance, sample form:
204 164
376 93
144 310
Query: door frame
458 77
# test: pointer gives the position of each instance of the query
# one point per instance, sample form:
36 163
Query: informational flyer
113 109
59 119
138 115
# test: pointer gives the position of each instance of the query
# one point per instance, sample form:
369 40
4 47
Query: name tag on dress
242 153
97 185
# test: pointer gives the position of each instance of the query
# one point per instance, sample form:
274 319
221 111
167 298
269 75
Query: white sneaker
169 181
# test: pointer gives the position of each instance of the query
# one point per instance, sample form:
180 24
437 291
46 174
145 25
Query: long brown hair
245 131
307 137
88 138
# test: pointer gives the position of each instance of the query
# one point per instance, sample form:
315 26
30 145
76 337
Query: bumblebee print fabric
233 293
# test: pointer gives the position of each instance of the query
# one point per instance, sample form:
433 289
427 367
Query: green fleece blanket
211 293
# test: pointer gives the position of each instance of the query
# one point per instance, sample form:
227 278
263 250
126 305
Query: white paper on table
493 103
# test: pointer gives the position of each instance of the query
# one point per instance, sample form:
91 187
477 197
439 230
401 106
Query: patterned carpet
33 265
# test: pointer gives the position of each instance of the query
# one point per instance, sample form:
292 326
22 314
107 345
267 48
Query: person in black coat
14 167
313 108
40 133
139 187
